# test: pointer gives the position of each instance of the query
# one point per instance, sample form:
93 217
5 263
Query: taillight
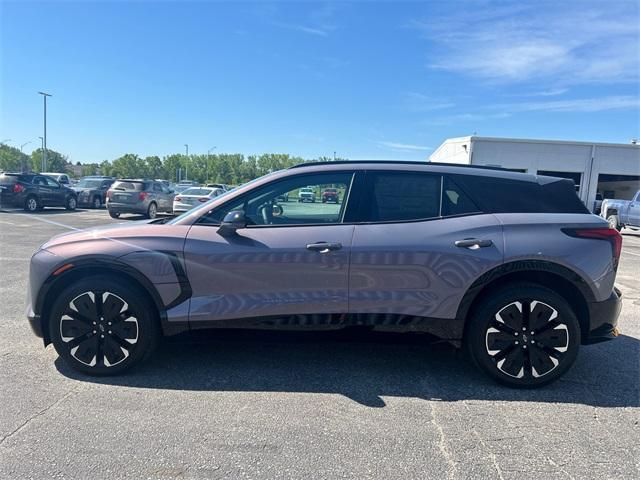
109 192
609 234
203 200
142 196
18 188
178 199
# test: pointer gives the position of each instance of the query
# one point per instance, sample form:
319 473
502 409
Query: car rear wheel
97 202
152 211
71 203
31 204
100 326
113 214
524 336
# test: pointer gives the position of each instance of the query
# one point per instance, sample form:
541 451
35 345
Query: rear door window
455 201
401 197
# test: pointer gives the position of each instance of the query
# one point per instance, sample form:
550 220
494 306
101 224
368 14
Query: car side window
157 188
292 201
402 196
455 201
39 181
51 182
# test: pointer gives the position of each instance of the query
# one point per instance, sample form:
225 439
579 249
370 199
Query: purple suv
510 266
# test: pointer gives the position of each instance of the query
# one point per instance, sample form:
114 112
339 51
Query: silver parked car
194 196
510 266
141 196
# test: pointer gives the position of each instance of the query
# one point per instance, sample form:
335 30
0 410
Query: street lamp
22 165
209 159
44 148
42 151
186 175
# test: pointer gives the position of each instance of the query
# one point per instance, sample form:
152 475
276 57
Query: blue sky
364 79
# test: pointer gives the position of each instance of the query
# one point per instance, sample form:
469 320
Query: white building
609 169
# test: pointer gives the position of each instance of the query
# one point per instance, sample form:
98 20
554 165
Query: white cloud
403 146
616 102
563 42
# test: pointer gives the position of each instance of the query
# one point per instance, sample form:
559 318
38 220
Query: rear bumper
604 319
126 208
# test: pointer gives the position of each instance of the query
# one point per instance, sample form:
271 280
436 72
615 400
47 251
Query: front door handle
324 247
473 243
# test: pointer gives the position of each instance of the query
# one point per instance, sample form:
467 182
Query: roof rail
399 162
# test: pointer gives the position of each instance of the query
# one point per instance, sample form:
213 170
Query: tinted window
279 203
39 181
506 195
51 182
455 201
157 188
399 196
123 185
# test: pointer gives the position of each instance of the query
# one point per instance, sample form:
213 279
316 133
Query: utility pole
42 165
44 96
334 156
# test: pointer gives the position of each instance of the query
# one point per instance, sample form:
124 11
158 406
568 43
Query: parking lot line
68 227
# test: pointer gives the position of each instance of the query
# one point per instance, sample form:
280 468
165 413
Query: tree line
227 168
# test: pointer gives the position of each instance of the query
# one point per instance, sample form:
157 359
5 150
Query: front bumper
604 319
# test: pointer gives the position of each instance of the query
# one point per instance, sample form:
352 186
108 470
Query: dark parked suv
92 190
145 197
34 192
510 266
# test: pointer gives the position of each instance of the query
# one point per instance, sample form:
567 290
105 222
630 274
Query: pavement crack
489 450
36 415
559 468
452 469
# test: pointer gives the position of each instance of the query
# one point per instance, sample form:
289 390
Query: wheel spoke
85 305
513 363
510 316
86 351
541 314
541 361
111 307
73 328
121 342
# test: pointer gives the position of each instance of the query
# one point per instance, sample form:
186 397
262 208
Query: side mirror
233 221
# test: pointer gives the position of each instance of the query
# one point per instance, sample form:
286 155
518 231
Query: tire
529 355
71 203
31 204
103 326
97 202
613 222
114 214
152 211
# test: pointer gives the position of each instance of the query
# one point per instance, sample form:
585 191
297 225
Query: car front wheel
71 203
100 326
97 202
524 336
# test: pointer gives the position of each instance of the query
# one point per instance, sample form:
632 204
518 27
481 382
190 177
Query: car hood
119 239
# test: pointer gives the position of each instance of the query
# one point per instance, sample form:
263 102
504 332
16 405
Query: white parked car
306 194
194 196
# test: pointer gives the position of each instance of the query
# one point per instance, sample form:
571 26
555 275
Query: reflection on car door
405 260
275 267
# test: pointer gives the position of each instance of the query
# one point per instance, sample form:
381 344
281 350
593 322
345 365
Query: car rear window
506 195
197 191
8 179
128 185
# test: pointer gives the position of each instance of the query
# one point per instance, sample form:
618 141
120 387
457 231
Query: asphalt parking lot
254 406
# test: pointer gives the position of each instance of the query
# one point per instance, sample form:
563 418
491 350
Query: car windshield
205 206
89 183
197 191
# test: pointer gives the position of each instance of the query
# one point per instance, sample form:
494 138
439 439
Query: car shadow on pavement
367 367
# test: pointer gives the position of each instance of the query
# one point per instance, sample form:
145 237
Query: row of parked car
148 197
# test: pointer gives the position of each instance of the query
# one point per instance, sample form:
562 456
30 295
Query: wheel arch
567 283
55 284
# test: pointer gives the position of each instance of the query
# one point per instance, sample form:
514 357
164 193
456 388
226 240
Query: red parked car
330 195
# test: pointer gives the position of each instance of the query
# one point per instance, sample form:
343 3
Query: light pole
22 165
209 160
186 173
44 148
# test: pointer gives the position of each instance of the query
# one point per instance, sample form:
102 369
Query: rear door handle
473 243
324 247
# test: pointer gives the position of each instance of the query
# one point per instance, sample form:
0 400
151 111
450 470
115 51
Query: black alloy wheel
103 327
525 336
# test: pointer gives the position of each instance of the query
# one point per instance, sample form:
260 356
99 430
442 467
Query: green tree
12 159
56 162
